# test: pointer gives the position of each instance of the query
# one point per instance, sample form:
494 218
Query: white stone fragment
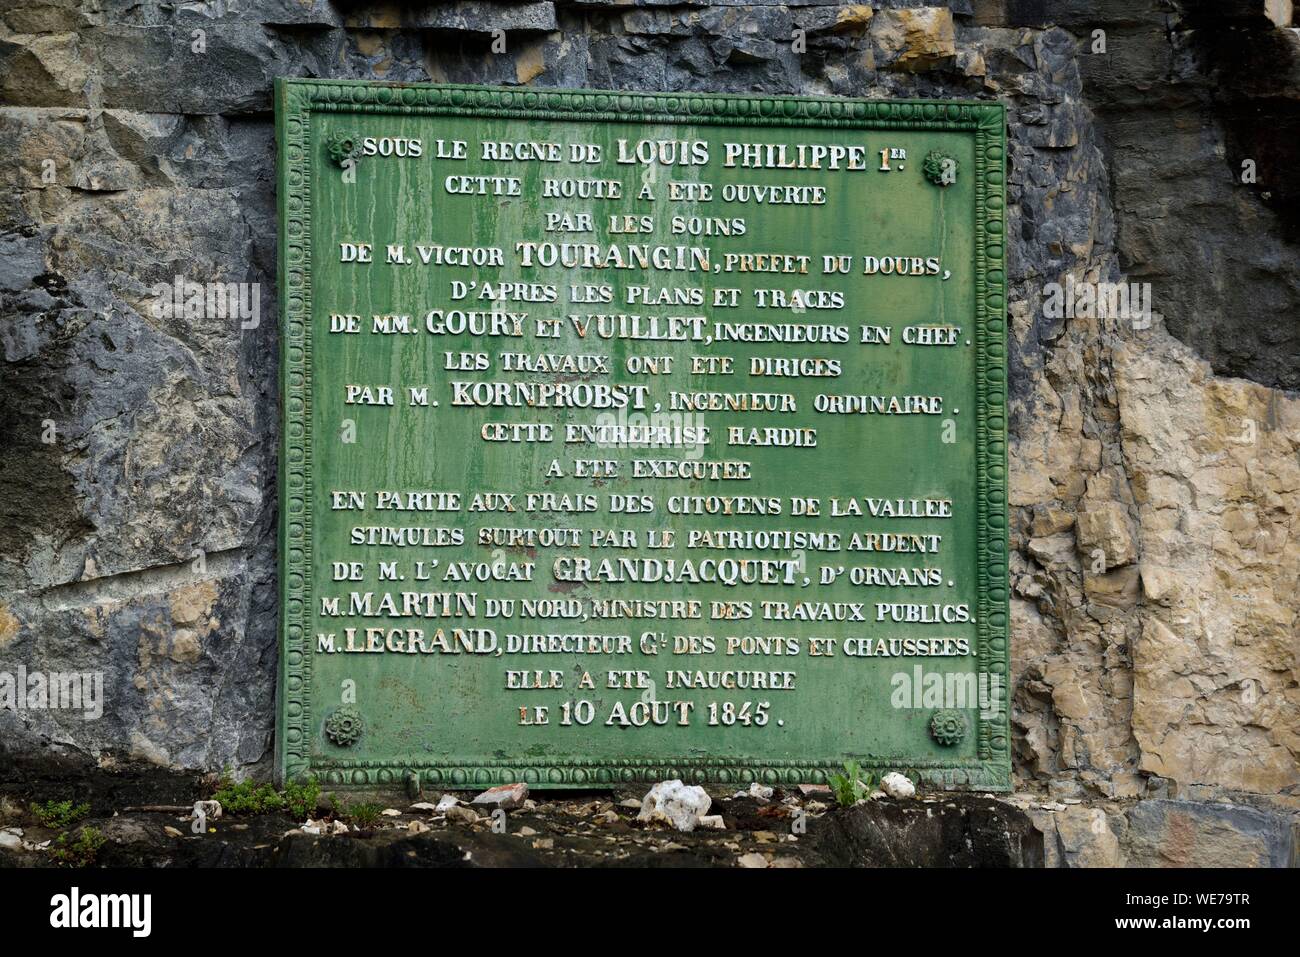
211 810
675 803
446 803
898 785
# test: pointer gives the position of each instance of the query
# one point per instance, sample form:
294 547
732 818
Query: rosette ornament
948 726
939 168
344 726
344 147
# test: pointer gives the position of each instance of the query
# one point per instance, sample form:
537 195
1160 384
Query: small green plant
852 786
81 852
300 799
365 815
247 797
59 814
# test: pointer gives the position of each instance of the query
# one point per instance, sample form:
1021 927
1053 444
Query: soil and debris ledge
759 828
143 816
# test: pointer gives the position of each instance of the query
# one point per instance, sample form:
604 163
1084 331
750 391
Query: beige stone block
1106 536
923 38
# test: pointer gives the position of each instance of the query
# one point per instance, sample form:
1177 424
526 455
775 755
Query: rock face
1155 477
973 833
1188 834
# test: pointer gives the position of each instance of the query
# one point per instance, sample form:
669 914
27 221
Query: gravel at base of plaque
625 447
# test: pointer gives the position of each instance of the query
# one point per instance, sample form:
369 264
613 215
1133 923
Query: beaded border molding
295 103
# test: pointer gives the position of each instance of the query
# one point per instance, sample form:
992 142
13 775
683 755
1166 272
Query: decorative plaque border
297 100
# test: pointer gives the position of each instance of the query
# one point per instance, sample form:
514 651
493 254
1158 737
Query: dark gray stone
476 17
963 832
1195 834
1211 89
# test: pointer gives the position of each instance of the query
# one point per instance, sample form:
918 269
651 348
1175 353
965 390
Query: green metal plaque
636 436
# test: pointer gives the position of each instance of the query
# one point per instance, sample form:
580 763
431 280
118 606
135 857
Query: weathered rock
1211 667
849 18
1205 84
1085 837
975 832
916 39
675 803
460 16
1192 834
1105 535
897 785
504 796
461 815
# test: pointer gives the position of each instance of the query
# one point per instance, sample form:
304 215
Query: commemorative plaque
636 436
